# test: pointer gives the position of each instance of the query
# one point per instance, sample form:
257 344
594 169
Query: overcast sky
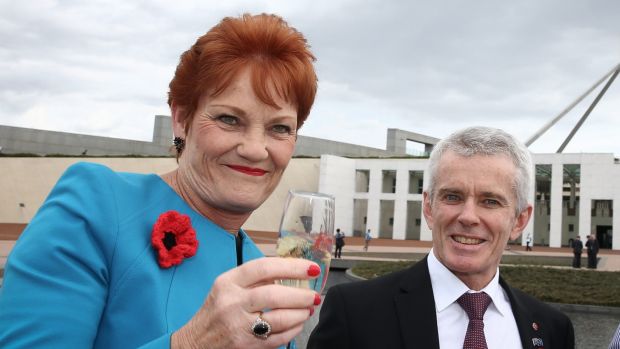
102 67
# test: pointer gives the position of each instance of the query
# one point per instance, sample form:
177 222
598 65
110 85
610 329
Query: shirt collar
447 288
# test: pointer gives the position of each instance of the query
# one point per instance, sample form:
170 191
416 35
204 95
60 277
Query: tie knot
474 304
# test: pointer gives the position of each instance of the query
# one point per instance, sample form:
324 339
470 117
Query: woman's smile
248 170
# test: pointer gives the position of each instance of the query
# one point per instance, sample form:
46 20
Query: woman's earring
179 144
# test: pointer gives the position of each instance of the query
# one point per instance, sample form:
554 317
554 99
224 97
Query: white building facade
574 194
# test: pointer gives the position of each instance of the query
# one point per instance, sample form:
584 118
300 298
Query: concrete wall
301 174
16 140
26 140
310 146
397 141
26 182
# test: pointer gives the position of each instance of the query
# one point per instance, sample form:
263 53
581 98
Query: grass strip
549 284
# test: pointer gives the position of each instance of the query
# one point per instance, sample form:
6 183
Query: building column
555 219
400 205
615 224
374 201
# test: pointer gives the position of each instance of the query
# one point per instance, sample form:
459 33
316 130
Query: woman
119 260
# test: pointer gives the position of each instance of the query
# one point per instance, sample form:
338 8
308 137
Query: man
367 238
479 182
577 249
528 242
339 243
592 246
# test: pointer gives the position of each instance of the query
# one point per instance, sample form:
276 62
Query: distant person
339 243
577 249
367 238
592 248
528 242
615 341
128 260
479 183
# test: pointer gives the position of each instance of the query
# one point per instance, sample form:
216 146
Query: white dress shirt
500 327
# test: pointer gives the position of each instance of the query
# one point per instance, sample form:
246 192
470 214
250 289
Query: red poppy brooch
173 238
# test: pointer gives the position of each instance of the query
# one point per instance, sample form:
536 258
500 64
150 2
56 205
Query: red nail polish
311 311
314 270
317 299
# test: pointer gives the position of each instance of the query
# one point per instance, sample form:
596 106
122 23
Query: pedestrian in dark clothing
528 242
339 243
577 249
592 246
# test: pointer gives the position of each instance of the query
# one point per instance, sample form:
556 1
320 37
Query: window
362 181
389 181
416 182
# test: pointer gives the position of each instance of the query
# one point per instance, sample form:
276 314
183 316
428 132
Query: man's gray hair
488 141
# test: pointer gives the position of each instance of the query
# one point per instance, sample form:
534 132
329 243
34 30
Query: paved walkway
608 260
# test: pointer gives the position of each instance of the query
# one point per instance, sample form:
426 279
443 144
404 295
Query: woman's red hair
277 55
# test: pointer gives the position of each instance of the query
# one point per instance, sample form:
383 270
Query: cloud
103 67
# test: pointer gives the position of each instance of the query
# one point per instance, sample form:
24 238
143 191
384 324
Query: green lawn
558 285
523 259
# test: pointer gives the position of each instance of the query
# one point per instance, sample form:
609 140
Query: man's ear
178 120
521 222
427 209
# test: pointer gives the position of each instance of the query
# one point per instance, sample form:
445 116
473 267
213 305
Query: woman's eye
228 119
282 129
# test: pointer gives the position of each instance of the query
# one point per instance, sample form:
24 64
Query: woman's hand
237 299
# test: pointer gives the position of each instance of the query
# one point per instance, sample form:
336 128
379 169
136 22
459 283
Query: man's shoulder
525 302
387 284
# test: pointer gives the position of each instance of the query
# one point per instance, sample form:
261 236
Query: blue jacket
83 274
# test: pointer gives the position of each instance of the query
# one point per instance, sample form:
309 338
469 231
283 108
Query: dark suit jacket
398 311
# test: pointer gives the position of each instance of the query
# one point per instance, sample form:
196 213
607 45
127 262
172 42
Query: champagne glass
307 231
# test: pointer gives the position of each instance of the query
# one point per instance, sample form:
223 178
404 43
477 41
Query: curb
584 308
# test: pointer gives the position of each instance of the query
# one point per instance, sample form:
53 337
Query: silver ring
260 328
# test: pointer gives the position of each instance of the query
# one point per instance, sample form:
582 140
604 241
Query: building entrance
604 236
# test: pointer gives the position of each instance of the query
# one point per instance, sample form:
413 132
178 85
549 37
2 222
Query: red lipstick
248 170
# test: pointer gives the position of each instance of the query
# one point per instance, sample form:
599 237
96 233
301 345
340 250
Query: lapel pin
535 326
537 343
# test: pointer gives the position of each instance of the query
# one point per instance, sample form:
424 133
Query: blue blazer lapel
415 309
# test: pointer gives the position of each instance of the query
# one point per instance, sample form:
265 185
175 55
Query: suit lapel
523 318
415 308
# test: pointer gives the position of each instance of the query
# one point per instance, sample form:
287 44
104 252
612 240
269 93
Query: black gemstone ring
260 328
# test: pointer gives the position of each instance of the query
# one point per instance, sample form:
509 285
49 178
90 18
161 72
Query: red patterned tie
475 304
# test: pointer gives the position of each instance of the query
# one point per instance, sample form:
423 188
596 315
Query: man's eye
451 197
491 202
282 129
228 119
